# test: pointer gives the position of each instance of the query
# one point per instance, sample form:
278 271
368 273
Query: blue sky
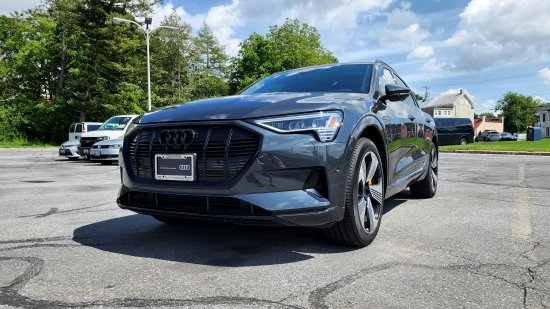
487 47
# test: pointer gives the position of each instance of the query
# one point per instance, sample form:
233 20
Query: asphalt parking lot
482 242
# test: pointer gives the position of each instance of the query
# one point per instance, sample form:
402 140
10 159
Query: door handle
411 118
428 120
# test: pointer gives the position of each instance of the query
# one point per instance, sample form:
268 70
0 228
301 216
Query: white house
452 105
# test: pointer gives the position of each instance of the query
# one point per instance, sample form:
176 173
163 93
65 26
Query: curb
522 153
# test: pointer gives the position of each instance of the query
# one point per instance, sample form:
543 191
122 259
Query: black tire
73 158
427 187
463 141
358 229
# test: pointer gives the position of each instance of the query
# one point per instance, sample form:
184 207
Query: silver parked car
69 149
106 152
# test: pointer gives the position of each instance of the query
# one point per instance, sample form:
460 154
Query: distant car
454 131
76 129
505 136
106 152
488 136
69 149
115 127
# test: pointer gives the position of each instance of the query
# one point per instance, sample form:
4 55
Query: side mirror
395 93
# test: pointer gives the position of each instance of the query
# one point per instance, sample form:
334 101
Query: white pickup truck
114 127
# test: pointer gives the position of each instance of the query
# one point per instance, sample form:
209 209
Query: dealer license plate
180 167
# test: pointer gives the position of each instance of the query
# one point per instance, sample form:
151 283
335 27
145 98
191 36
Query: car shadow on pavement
397 200
208 243
205 243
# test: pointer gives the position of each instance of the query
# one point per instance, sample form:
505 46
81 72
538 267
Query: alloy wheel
370 195
433 169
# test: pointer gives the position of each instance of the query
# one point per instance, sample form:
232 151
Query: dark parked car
488 136
454 131
505 136
319 146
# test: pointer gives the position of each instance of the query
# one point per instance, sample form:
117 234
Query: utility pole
426 93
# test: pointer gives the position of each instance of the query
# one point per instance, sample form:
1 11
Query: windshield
334 78
115 123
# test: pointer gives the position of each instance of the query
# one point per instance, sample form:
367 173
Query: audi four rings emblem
180 137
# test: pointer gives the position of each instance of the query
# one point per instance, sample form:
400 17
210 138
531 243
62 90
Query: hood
254 106
110 133
71 143
109 142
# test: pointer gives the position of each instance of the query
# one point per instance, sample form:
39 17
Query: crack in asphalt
317 298
10 296
54 210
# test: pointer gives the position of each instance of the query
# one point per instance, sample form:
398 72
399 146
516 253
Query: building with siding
544 121
452 105
484 123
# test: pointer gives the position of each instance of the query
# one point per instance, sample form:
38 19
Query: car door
416 123
398 119
72 135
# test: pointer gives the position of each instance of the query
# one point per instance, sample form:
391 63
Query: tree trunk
62 65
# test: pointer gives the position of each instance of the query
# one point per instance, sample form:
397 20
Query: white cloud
485 106
402 28
162 11
422 51
545 75
433 65
498 32
222 19
338 20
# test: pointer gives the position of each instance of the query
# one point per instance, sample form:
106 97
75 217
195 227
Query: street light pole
147 31
147 34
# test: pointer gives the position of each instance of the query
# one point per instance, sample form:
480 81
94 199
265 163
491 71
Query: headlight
324 124
115 146
102 138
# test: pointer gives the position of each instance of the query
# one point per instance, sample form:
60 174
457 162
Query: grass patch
23 143
539 146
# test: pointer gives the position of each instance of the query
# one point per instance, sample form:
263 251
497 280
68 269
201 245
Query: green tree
171 53
289 46
487 115
519 111
211 58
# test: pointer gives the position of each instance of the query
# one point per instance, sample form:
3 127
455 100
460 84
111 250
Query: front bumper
292 180
104 154
69 152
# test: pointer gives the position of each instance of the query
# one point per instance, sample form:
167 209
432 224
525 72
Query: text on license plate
180 167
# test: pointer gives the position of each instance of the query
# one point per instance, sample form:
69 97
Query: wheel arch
371 128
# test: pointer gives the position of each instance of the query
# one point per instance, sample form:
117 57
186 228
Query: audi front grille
222 151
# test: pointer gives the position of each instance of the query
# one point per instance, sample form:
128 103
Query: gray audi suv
319 146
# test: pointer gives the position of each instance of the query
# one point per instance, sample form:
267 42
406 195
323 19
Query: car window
93 127
384 78
73 126
410 99
79 128
337 78
115 123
